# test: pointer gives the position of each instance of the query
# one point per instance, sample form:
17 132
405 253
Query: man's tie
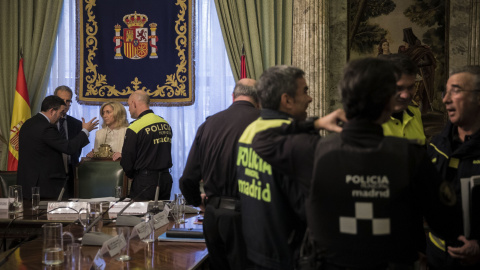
62 128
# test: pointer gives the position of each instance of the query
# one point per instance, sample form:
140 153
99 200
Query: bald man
212 158
146 152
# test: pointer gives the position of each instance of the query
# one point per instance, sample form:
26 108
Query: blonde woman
113 129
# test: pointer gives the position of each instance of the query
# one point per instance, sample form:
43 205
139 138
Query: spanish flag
21 112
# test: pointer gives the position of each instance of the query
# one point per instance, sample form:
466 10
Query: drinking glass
149 256
35 198
53 243
118 192
15 199
179 208
96 211
151 236
72 255
124 253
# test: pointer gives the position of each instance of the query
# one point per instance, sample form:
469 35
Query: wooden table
157 255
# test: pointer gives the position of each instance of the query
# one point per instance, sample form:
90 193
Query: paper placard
134 209
115 245
161 219
66 207
3 203
143 230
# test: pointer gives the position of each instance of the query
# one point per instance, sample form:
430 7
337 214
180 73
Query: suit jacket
40 156
74 126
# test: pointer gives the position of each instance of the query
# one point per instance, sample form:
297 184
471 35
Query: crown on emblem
135 20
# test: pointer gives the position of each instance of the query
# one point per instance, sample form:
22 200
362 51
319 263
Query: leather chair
96 178
7 178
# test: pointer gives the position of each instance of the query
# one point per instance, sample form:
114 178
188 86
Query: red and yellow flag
21 112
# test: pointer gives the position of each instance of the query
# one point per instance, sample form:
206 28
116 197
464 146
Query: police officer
456 154
146 152
406 119
369 192
212 158
272 200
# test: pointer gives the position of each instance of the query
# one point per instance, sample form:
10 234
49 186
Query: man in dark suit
71 127
41 147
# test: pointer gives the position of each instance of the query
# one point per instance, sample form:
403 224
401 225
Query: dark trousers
224 239
70 186
441 260
145 182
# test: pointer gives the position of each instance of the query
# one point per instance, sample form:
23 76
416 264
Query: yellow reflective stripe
437 241
440 152
146 120
260 125
453 163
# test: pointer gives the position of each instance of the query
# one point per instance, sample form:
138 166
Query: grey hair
63 88
245 90
474 70
276 81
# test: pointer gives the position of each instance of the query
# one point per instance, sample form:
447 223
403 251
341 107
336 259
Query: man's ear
286 100
51 112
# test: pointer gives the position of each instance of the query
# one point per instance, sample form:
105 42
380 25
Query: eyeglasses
456 91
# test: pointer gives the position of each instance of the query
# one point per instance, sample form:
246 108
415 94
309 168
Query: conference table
156 255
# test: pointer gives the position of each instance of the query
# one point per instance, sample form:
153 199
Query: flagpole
243 65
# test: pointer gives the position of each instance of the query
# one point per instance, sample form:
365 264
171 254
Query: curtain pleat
263 27
30 26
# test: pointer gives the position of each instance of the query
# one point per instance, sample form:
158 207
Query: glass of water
118 192
35 198
15 199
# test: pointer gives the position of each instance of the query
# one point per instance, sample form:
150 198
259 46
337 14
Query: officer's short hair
276 81
367 86
245 90
402 62
472 69
63 88
52 102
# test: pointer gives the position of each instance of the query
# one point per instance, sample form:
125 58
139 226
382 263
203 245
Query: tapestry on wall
415 28
126 45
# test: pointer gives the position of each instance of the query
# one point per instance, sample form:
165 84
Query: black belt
150 172
225 203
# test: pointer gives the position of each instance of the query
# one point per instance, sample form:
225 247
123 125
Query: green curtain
30 26
263 27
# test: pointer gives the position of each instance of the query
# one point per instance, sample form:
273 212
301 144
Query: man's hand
90 125
116 155
330 121
90 154
204 199
468 254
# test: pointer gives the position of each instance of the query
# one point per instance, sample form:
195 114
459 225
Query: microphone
130 220
155 209
100 217
63 189
44 204
97 238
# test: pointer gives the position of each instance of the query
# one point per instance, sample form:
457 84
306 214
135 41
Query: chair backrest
98 178
8 178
